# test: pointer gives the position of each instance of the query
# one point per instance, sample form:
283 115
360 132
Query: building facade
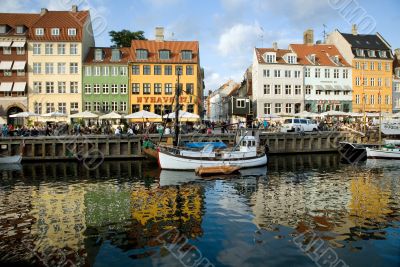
396 82
277 81
327 78
218 102
14 30
58 44
153 75
106 80
372 60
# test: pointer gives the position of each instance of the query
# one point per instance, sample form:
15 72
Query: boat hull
10 159
169 161
383 154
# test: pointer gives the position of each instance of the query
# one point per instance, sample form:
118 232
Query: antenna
324 32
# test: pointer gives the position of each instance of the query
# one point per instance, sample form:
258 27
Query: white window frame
55 31
39 31
72 31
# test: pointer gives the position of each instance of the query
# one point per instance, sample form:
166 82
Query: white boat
385 152
10 159
245 157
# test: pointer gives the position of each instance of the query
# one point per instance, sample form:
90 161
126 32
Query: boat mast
380 117
177 106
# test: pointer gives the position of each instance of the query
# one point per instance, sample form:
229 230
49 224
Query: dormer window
371 53
39 31
164 54
382 54
98 55
312 58
291 59
186 55
115 55
141 54
336 59
20 30
55 31
71 32
270 58
360 52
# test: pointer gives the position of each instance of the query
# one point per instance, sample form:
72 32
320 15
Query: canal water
307 210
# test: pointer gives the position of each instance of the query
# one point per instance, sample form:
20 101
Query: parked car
299 125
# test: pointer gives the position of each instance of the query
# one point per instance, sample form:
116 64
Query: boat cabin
248 144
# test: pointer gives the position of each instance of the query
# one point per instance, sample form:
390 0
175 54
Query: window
266 73
97 71
96 89
73 68
277 73
387 82
278 107
37 68
114 89
157 88
288 108
359 52
157 70
20 72
345 74
3 29
135 88
292 59
336 73
88 71
365 81
20 50
240 103
164 54
358 65
297 89
55 31
277 89
71 32
39 31
7 50
346 93
387 100
364 65
73 49
147 107
382 54
190 108
189 88
61 88
372 81
327 73
115 55
106 89
36 49
328 92
135 70
387 66
49 68
168 88
267 89
37 107
62 107
49 107
336 92
135 108
106 71
49 87
372 100
318 92
379 99
288 89
48 49
7 73
74 107
357 99
308 89
287 73
372 65
167 109
98 55
106 106
61 68
123 71
270 58
146 88
123 106
123 89
146 70
37 87
371 53
168 70
178 70
189 70
358 80
307 72
267 108
96 106
88 89
73 88
186 55
88 106
397 87
379 65
141 54
297 74
114 106
317 73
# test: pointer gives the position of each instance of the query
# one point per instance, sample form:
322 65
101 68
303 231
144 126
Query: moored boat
389 151
214 170
10 159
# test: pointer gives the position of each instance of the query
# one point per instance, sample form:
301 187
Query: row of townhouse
49 62
349 72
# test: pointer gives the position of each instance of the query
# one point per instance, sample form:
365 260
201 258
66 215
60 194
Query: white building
217 110
277 81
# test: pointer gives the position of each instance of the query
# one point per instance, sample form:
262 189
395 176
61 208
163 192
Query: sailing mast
177 107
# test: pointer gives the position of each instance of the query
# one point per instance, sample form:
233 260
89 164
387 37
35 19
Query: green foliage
123 38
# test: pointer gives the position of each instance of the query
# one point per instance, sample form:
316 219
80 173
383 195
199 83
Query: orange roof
175 47
279 54
62 20
323 54
125 57
17 19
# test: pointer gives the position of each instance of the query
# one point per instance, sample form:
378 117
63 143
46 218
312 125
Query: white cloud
13 6
233 5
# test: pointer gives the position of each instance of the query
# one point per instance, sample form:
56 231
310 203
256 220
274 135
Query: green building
106 80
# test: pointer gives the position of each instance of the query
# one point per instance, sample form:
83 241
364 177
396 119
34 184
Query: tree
123 38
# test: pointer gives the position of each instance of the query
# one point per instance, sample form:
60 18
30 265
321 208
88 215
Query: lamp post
177 107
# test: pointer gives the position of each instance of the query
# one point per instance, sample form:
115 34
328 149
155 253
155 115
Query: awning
5 65
18 44
347 88
319 87
338 88
6 87
5 43
19 65
329 87
19 87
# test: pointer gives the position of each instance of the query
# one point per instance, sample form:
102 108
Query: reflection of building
396 82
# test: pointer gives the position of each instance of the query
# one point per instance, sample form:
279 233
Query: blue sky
228 30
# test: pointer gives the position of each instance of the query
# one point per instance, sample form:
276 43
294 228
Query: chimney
397 53
354 29
308 37
74 8
159 33
43 11
275 45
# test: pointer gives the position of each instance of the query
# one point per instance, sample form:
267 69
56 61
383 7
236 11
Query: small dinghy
215 170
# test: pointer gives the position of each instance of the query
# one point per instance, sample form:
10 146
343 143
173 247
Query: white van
299 125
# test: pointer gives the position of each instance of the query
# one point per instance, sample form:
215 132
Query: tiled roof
368 42
323 54
279 55
175 48
125 57
62 20
17 19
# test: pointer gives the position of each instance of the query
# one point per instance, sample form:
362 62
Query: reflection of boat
385 152
169 177
10 159
10 167
223 169
351 153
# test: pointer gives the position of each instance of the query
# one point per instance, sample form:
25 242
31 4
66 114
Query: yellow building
153 75
371 57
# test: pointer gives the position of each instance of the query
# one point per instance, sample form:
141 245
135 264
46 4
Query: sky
228 30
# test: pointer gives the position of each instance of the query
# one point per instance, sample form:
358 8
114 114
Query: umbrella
270 116
111 116
143 114
355 114
182 115
307 114
84 115
54 114
335 113
26 114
